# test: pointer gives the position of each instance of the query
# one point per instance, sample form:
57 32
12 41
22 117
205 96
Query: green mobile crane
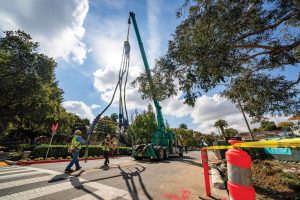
163 142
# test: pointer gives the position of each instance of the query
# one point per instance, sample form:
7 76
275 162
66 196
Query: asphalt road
179 178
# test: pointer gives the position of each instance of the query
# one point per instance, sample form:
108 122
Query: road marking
45 171
19 175
13 171
8 167
103 191
42 191
24 182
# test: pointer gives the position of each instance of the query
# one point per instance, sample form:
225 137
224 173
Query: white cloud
209 109
57 25
106 41
154 41
95 106
79 108
175 107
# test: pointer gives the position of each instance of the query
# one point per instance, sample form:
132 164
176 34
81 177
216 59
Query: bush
15 156
57 151
27 147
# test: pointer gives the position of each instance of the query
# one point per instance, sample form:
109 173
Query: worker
106 147
114 146
74 149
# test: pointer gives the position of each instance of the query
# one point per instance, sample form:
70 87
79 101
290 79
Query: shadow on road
75 182
187 160
79 186
129 180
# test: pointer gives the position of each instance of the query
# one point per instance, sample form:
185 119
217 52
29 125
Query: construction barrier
239 182
239 165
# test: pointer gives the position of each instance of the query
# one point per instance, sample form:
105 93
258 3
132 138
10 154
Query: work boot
68 171
78 168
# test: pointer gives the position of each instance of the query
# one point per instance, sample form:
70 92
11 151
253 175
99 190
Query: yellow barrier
284 143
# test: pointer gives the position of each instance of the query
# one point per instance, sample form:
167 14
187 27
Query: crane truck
163 141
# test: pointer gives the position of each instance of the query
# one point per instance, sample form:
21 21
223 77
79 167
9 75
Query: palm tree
184 126
221 124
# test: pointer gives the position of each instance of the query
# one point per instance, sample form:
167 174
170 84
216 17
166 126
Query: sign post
54 129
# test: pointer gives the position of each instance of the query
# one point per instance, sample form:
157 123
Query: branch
253 56
272 26
272 49
295 82
256 46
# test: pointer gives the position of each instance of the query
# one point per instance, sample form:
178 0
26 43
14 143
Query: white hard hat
77 131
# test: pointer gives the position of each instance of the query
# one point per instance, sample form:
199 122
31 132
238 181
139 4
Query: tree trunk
223 132
248 126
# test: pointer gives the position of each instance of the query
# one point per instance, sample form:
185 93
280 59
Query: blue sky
86 39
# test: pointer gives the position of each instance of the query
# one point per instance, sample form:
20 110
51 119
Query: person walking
106 147
114 143
74 149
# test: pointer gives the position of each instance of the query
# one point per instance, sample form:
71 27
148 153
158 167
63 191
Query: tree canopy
267 125
221 124
142 127
30 99
242 46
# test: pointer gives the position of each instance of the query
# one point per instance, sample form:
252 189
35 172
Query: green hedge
62 151
15 156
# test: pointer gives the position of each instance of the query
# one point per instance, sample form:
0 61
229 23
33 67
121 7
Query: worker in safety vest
114 146
106 147
74 149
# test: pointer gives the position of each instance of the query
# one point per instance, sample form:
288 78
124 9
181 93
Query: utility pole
240 105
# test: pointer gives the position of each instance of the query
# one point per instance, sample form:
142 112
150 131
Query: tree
30 99
230 132
106 125
221 124
184 126
143 125
285 125
267 125
184 136
114 117
239 45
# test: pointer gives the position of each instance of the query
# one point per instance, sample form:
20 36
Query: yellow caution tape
284 143
219 147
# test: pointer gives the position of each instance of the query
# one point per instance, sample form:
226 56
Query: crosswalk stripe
104 191
24 182
8 167
13 171
19 175
45 171
42 191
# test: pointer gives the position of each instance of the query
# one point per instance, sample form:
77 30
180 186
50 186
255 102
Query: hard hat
108 135
77 131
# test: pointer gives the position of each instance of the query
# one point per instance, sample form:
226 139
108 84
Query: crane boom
160 119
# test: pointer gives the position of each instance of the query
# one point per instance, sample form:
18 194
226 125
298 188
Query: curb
51 161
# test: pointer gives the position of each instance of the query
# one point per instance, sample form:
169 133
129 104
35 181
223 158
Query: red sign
54 128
